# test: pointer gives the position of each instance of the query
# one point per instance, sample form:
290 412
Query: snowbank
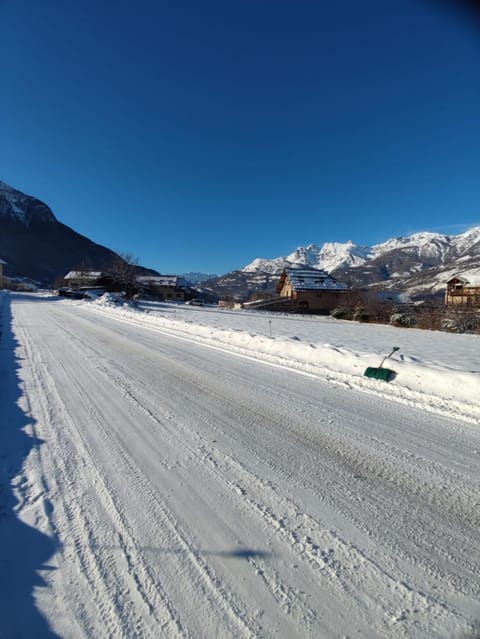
434 371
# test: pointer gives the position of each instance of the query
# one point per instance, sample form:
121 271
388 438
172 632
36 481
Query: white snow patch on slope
15 199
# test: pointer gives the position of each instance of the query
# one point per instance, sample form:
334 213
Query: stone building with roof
310 289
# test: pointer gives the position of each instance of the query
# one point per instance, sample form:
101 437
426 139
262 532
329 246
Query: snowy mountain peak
328 257
429 248
265 265
466 242
304 255
23 208
434 246
334 255
12 202
5 187
418 240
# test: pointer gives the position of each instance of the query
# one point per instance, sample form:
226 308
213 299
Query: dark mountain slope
36 245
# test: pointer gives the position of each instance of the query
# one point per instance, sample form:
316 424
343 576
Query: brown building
310 289
463 291
163 287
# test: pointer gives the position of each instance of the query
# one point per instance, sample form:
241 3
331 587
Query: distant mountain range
36 245
416 266
194 277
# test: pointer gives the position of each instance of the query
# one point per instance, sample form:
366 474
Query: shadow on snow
23 549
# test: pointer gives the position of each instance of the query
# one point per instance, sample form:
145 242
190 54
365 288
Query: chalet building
2 263
163 287
463 291
310 289
83 279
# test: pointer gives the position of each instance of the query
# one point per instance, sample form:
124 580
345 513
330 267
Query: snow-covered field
173 471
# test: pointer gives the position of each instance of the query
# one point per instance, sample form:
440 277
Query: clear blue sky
199 135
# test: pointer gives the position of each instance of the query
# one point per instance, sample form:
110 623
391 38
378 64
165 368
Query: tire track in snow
143 485
353 475
410 604
64 481
219 599
352 460
306 538
335 559
292 602
104 582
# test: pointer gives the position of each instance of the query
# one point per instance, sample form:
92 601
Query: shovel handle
394 349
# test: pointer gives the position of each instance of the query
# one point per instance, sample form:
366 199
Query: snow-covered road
192 493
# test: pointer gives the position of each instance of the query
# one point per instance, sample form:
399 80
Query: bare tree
123 270
362 306
430 317
348 303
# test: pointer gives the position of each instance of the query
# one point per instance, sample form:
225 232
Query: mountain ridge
417 265
332 255
36 245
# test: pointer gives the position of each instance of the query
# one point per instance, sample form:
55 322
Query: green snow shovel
382 373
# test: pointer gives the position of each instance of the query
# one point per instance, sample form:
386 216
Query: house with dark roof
163 287
310 289
82 279
463 290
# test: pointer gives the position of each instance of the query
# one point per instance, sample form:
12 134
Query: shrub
403 319
361 315
340 313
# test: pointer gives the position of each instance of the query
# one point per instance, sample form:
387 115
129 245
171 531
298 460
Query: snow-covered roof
160 280
469 278
2 261
310 279
83 275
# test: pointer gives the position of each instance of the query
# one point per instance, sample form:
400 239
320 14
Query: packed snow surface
173 471
436 371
